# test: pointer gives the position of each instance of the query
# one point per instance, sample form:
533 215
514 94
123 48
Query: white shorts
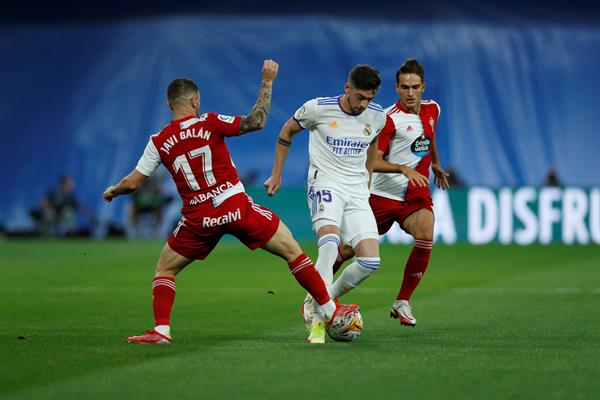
352 215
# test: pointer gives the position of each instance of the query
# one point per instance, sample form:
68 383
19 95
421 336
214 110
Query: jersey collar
180 120
401 107
342 108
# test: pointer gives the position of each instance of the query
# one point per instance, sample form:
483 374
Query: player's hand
415 178
269 71
109 194
272 185
440 177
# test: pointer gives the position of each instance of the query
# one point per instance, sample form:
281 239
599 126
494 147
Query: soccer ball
346 328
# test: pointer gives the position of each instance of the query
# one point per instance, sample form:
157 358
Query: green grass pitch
495 322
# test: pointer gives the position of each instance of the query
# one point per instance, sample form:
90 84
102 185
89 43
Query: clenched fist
269 70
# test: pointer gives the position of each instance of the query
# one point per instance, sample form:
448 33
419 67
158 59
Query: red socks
307 276
415 268
163 296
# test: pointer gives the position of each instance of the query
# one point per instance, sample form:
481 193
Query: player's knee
293 250
330 239
328 230
289 243
166 269
423 231
170 263
368 247
369 264
347 252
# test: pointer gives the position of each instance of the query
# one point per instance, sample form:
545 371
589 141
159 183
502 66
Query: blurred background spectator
58 211
147 208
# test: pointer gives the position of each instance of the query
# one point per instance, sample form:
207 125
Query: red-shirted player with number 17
192 148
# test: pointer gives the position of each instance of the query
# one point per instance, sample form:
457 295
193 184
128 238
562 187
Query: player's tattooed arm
257 117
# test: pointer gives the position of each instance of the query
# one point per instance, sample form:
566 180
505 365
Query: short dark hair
411 66
364 77
180 87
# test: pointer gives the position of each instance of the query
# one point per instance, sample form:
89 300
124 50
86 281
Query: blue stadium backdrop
82 99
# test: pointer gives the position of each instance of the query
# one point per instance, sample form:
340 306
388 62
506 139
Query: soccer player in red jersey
192 148
399 187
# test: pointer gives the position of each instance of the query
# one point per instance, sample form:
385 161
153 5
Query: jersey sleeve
436 111
150 160
439 110
225 124
306 116
388 131
382 118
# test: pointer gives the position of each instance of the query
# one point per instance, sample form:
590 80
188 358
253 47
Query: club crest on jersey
420 147
431 123
226 118
367 131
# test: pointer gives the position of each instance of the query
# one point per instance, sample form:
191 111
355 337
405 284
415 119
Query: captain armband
283 142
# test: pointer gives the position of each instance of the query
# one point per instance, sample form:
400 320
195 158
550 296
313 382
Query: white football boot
402 311
307 311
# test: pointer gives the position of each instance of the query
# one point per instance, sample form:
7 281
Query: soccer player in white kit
342 149
399 189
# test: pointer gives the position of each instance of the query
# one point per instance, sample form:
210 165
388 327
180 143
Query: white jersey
338 143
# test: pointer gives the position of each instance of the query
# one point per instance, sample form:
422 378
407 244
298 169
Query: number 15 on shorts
317 199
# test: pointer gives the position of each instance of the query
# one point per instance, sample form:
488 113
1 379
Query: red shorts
388 211
253 224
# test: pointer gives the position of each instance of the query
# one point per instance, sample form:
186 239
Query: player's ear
169 105
424 86
195 102
347 87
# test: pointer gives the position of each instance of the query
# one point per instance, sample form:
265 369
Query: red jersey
406 141
194 151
